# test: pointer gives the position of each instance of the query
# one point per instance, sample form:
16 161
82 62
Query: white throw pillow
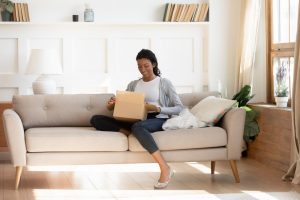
185 119
211 109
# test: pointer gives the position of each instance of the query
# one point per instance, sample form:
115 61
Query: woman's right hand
111 103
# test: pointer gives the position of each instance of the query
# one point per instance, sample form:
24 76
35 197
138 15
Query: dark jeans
141 130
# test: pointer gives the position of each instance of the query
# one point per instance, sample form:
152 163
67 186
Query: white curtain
293 173
250 13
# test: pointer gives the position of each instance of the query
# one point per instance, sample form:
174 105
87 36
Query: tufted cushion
60 110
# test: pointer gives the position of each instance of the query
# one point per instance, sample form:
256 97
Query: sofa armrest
233 122
14 133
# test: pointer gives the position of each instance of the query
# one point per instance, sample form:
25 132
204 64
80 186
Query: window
281 36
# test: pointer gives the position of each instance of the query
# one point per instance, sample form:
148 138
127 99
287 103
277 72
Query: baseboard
5 156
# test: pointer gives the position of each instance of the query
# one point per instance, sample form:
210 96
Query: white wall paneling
8 58
119 18
7 93
100 57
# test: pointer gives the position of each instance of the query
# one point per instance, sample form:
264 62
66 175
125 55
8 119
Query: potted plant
251 128
281 89
6 8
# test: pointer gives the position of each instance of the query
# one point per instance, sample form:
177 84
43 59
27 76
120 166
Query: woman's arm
171 103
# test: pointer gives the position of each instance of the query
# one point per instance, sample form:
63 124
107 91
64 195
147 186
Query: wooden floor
135 181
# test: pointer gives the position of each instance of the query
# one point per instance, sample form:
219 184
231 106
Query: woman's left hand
151 108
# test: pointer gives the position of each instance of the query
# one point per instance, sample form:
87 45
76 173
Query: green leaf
243 95
251 128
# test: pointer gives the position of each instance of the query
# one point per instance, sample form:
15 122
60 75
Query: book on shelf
27 12
20 12
197 13
18 6
185 12
23 12
192 10
167 11
203 12
179 12
175 12
171 12
14 13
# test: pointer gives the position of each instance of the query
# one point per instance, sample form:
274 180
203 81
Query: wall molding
100 57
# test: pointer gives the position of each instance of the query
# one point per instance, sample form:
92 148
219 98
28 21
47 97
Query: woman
161 102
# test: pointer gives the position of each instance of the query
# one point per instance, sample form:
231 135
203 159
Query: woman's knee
136 127
104 123
95 119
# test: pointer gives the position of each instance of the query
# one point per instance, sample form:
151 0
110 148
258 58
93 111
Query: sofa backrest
191 99
60 110
74 109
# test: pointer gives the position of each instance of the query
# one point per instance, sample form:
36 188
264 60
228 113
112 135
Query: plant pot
6 16
281 101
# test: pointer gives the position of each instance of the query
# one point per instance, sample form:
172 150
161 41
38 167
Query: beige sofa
55 130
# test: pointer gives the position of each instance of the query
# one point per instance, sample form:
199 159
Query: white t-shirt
151 91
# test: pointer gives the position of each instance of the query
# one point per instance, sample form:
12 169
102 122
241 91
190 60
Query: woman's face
146 68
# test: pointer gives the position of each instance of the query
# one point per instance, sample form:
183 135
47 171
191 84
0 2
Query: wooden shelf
270 106
106 23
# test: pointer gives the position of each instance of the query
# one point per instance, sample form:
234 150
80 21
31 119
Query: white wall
223 30
223 41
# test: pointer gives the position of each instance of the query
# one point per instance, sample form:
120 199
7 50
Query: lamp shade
44 61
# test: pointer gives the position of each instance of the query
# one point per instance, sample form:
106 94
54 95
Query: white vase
281 101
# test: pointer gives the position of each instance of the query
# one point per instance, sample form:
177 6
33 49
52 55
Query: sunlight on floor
202 168
260 195
43 194
148 167
137 167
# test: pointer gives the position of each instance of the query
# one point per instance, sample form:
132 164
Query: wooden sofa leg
212 167
18 176
234 170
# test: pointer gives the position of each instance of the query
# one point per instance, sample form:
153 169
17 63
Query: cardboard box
130 106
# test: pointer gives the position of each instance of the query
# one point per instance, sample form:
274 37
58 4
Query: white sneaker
162 185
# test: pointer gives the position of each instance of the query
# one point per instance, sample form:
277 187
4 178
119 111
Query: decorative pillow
185 119
211 109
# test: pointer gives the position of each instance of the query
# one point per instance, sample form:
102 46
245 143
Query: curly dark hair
147 54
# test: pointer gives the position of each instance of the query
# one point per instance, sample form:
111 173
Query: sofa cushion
73 139
64 110
184 139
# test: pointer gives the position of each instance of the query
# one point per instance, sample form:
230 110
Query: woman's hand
151 108
111 103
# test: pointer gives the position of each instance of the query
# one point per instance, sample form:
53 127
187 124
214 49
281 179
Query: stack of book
20 13
185 12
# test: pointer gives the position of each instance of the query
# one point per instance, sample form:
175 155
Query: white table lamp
44 62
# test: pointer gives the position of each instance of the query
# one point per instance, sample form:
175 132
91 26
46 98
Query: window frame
274 50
